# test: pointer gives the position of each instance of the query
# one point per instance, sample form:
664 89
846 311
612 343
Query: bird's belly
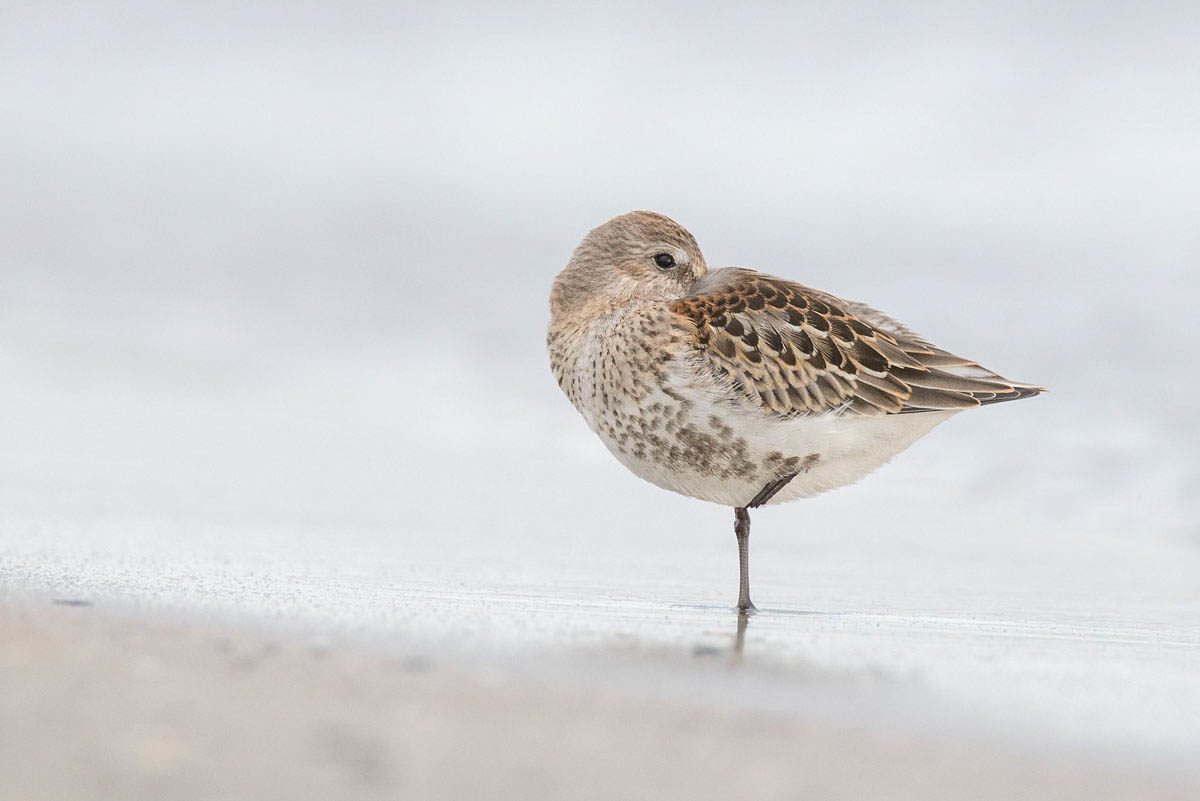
728 454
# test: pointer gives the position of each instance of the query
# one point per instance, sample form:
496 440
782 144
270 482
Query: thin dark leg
768 492
741 529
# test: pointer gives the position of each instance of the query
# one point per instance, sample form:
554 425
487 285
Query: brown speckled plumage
794 350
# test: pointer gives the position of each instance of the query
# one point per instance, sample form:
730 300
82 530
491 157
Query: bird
737 387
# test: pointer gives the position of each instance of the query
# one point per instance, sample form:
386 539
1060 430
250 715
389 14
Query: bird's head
637 256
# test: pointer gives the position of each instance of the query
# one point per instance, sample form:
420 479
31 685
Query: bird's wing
794 350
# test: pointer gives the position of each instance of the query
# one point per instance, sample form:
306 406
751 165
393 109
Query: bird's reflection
743 624
739 639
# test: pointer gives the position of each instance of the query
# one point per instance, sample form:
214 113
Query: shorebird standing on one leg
737 387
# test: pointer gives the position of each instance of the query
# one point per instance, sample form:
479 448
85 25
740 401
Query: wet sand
96 706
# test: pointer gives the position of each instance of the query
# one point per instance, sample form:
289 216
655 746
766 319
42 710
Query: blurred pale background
273 294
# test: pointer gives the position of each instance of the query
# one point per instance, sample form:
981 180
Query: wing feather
794 350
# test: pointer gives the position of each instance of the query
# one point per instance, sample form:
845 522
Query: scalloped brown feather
791 350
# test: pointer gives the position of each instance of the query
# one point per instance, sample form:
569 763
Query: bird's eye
665 261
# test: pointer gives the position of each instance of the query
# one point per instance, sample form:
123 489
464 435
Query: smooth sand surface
100 707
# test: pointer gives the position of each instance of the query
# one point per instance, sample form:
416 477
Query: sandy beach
102 707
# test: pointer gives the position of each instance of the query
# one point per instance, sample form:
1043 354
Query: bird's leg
741 529
768 492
